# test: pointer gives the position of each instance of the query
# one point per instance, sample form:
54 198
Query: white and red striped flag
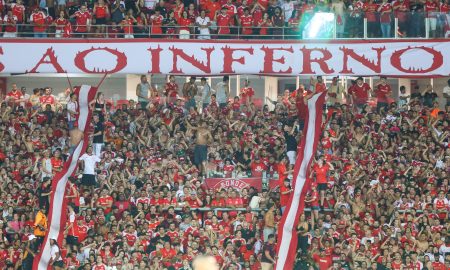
58 203
287 229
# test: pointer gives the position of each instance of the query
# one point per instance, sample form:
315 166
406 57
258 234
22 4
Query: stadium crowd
379 182
204 19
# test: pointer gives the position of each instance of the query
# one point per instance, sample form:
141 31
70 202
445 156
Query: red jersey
361 92
15 95
371 9
82 19
444 8
61 23
127 26
402 15
171 89
231 9
382 92
184 23
101 12
38 19
321 173
104 202
99 267
212 7
264 26
431 7
223 22
47 100
131 238
323 262
246 23
57 163
257 169
284 198
156 21
18 11
386 16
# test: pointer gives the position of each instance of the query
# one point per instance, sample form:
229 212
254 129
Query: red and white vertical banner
287 230
58 203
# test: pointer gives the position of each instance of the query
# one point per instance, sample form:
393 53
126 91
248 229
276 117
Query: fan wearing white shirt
89 165
203 22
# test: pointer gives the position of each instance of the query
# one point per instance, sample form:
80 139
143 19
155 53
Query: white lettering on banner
234 183
415 58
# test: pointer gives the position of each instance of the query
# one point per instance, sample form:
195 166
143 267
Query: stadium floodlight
321 25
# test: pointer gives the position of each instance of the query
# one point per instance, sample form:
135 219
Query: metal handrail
109 31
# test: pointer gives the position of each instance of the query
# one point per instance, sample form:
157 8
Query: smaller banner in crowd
236 183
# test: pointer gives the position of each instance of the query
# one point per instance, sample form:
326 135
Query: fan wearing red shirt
401 11
15 94
37 18
213 7
61 23
383 92
130 235
171 89
194 201
247 92
370 9
10 22
156 21
385 10
167 253
223 21
99 264
105 201
431 8
83 20
322 260
257 167
319 85
127 26
359 92
321 169
285 192
18 10
246 23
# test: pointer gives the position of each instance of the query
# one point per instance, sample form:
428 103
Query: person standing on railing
101 14
83 21
10 22
203 23
385 11
37 19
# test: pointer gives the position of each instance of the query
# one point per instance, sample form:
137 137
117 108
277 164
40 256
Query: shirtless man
205 263
204 137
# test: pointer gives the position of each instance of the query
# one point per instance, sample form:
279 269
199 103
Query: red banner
401 57
236 183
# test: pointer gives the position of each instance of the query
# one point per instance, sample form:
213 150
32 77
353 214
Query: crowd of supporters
222 18
378 196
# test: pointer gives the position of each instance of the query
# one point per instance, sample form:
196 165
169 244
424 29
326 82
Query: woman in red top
101 14
321 169
179 7
192 13
264 24
57 162
185 24
60 23
156 20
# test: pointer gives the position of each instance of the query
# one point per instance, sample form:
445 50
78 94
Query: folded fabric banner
287 233
58 203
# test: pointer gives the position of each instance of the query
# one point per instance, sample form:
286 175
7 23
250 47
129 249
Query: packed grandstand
206 19
378 197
